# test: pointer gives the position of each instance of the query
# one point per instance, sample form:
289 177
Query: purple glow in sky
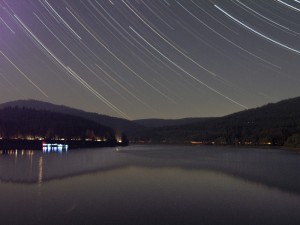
150 58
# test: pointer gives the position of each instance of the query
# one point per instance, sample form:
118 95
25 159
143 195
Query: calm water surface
151 185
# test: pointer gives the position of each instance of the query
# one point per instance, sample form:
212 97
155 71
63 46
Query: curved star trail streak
8 27
225 37
62 20
269 20
24 75
190 75
11 85
77 77
73 54
256 32
288 5
156 58
122 62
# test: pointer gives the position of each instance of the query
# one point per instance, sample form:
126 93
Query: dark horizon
38 102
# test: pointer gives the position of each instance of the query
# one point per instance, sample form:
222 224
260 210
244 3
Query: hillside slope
270 124
169 122
28 123
117 124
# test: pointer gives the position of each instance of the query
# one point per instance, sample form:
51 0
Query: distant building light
54 147
196 142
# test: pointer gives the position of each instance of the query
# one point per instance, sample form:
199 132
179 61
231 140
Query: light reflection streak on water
47 148
17 153
40 175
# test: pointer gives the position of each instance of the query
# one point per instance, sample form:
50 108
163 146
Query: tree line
22 123
273 124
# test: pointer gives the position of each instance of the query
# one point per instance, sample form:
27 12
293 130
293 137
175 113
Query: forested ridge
119 125
21 122
272 124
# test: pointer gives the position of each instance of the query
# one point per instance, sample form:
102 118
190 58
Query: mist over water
151 185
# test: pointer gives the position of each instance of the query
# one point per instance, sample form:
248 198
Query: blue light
47 148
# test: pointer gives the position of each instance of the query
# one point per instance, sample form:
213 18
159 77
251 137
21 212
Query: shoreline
279 147
21 144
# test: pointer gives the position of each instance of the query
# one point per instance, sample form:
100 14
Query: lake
144 184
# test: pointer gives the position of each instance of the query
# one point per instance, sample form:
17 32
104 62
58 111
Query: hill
136 130
272 124
154 123
25 123
119 125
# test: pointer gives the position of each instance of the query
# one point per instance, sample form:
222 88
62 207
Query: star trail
150 58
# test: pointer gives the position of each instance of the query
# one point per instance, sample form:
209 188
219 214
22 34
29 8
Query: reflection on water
17 152
40 174
150 185
273 168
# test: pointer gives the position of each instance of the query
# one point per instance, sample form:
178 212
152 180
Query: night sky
150 58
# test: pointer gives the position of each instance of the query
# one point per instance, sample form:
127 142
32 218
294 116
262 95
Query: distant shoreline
23 144
279 147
